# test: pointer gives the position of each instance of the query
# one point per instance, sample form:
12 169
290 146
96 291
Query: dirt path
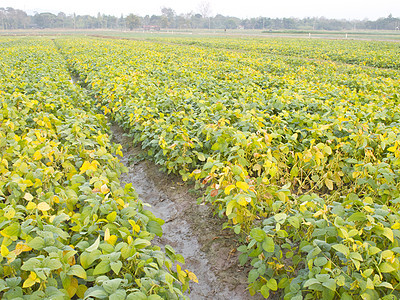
190 229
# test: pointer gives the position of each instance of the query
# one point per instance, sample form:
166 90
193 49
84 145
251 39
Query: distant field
359 35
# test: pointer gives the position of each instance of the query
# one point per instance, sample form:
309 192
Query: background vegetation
11 18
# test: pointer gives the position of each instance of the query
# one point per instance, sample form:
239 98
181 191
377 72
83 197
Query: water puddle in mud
190 229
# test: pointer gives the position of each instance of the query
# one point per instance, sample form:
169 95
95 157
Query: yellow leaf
329 184
370 284
282 196
73 287
104 189
43 206
135 227
192 276
21 247
229 188
396 225
37 155
4 251
388 233
242 185
80 291
118 151
10 213
31 280
369 209
107 235
229 207
28 197
181 274
85 167
120 202
242 200
89 166
31 205
112 216
112 240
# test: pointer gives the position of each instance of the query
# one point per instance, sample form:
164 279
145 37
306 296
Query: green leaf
141 243
102 268
370 284
280 218
272 284
237 170
265 291
78 271
110 286
87 258
320 261
253 275
37 243
373 250
116 266
154 297
258 234
268 244
357 217
340 280
294 221
243 258
346 296
154 227
136 296
12 231
53 264
118 295
96 292
330 284
94 246
201 156
342 249
386 267
31 264
322 277
388 233
386 285
311 281
356 255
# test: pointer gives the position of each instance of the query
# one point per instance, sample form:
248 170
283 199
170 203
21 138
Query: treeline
17 19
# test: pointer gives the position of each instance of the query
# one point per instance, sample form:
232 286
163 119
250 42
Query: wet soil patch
191 229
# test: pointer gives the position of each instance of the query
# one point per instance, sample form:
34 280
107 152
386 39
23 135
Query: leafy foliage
300 156
68 229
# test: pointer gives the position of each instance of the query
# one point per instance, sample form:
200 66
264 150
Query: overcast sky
346 9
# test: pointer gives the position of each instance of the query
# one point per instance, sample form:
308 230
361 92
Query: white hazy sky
346 9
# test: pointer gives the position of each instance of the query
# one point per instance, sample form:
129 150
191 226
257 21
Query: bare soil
191 229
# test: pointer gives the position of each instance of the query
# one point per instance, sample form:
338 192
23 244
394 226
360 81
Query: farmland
295 144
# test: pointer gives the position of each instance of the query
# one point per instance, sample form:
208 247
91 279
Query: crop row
68 228
372 54
301 157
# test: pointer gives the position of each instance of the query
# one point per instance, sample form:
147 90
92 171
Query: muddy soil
190 229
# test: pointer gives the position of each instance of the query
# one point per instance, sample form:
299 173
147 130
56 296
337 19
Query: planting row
68 228
301 157
372 54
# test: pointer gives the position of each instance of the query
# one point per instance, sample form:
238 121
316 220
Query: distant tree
11 18
205 11
132 21
167 17
45 20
